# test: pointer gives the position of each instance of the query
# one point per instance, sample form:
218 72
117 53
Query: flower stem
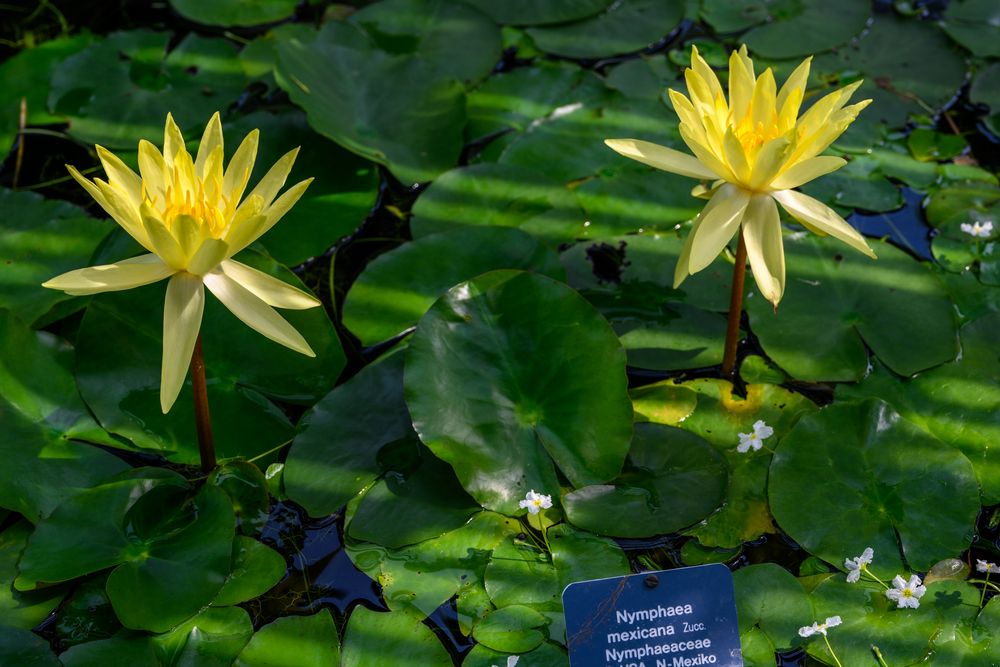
982 598
830 649
735 308
203 422
864 568
878 656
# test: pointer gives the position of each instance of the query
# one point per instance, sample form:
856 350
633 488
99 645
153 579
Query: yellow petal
211 139
243 235
684 108
212 177
703 70
182 313
274 179
762 234
741 83
208 257
240 167
735 156
121 176
705 155
817 215
835 126
162 242
173 141
718 226
762 106
807 170
818 114
796 82
114 204
661 157
122 275
255 313
770 159
153 169
699 91
189 234
267 288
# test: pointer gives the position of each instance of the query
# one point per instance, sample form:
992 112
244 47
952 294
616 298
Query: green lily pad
647 77
679 337
672 479
423 576
118 370
709 409
624 27
985 89
646 276
460 42
502 196
341 79
234 12
869 619
926 145
908 67
25 75
860 184
964 201
886 480
505 429
87 614
636 201
539 12
337 201
413 502
511 629
772 601
955 402
805 27
25 649
246 487
695 553
579 556
975 24
519 572
975 646
735 15
256 569
391 638
334 455
40 239
293 641
170 554
140 83
546 655
125 648
397 288
517 98
19 609
881 303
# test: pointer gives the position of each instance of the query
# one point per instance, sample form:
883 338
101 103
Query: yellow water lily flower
187 212
756 148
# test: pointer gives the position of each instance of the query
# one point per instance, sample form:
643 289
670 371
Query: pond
478 301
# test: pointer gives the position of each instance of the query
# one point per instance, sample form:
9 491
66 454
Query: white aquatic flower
855 565
906 593
535 502
978 229
755 439
987 567
819 628
511 660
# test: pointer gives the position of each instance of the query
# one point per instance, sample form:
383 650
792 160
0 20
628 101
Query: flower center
907 593
185 194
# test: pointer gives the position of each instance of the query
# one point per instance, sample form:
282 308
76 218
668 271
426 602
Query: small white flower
906 593
987 567
819 628
978 229
535 503
855 565
755 439
511 660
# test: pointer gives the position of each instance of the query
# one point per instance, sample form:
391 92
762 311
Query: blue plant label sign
674 618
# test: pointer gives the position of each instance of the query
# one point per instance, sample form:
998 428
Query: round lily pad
771 600
458 41
25 649
634 201
39 239
579 556
256 569
246 487
806 27
340 79
293 641
19 609
334 454
520 572
975 24
505 428
886 480
625 26
881 303
472 196
672 479
412 276
140 83
391 638
511 629
119 350
978 648
539 12
234 12
546 655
